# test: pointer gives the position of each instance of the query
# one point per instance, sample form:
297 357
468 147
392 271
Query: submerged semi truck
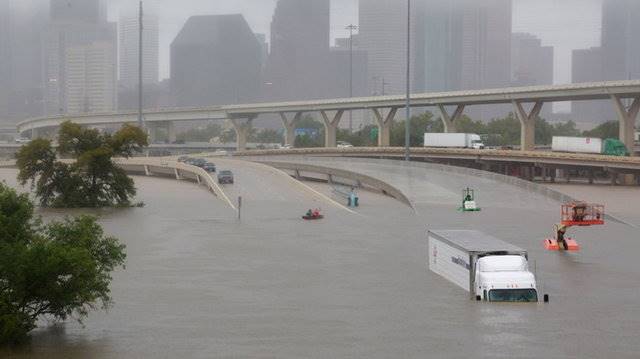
488 268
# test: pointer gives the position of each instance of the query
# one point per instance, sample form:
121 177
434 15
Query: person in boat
316 212
560 232
579 213
309 213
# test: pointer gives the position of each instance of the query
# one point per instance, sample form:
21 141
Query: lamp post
407 142
351 27
140 77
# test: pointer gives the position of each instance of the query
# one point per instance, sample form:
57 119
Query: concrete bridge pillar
290 127
243 129
449 121
384 125
331 127
171 132
627 118
152 131
527 124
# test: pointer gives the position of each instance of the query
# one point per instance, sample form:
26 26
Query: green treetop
58 271
92 179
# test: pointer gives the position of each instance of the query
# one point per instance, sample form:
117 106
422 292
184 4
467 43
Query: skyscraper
587 66
21 25
78 11
129 48
456 45
382 34
620 45
438 46
297 66
90 70
5 58
486 44
215 60
531 63
79 27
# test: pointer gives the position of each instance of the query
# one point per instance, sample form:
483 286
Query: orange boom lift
572 214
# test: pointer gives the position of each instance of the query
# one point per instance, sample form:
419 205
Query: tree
267 135
610 129
204 134
93 179
566 129
505 131
417 126
59 271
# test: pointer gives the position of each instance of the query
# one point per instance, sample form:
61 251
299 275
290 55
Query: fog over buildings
70 56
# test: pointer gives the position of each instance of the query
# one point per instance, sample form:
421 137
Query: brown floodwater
200 284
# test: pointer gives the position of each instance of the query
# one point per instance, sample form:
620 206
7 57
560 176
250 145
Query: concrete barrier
148 166
360 179
529 186
180 171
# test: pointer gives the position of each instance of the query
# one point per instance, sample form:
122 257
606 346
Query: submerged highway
199 283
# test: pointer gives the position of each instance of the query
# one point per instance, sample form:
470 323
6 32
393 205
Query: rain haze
319 179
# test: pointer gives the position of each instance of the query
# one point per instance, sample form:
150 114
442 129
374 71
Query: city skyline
546 19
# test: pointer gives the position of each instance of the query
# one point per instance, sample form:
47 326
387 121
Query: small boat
311 218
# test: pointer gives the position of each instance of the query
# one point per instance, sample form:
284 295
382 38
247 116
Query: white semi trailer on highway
576 144
453 140
488 268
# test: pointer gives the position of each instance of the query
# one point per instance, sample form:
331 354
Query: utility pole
384 84
140 77
351 28
407 143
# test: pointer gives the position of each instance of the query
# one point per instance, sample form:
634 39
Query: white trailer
488 268
453 140
576 144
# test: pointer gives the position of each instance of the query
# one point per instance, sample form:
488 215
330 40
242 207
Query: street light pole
140 78
351 27
407 143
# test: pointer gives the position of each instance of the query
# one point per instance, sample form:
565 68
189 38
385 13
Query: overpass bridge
527 103
548 166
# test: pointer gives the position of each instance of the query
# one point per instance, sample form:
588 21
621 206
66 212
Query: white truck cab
488 268
505 278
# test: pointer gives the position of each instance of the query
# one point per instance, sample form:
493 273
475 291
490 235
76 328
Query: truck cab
505 278
475 142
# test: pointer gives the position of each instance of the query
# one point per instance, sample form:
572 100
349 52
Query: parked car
23 140
343 144
198 162
183 158
225 176
209 167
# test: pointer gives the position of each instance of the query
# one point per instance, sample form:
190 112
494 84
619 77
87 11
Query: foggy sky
564 24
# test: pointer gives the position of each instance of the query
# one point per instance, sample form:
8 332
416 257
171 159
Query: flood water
201 284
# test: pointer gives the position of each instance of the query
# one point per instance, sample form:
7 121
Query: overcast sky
565 24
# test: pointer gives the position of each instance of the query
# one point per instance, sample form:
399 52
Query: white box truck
576 144
453 140
488 268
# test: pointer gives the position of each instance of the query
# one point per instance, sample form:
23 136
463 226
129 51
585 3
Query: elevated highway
384 109
525 164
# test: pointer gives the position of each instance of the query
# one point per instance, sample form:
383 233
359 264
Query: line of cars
224 176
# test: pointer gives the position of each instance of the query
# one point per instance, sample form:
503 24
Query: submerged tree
58 271
92 179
